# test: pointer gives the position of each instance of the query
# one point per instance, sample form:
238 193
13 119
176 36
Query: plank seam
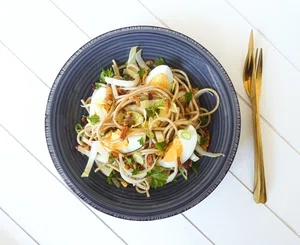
197 228
15 222
40 79
70 19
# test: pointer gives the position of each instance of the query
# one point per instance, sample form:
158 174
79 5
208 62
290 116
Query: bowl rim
71 184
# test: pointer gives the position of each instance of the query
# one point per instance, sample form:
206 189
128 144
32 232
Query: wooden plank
278 22
230 216
11 233
40 35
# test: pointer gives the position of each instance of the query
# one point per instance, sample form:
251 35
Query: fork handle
260 194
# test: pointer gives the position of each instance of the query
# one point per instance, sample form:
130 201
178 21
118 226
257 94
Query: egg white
133 143
98 99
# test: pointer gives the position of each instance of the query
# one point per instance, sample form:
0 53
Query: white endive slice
91 160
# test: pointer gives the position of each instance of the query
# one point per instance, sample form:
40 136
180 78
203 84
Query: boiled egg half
130 144
160 76
101 101
182 146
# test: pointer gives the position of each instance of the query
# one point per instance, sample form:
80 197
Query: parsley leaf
108 179
98 85
158 177
111 159
159 61
203 140
160 145
203 120
112 175
195 167
106 73
141 72
129 160
78 128
188 97
174 181
94 119
135 172
141 141
152 111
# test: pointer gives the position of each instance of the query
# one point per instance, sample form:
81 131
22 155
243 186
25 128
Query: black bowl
73 83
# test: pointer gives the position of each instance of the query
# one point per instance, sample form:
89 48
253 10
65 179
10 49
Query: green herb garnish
202 140
141 72
98 85
174 181
195 167
111 159
160 145
141 141
108 179
158 177
106 73
129 160
159 61
112 175
203 120
78 128
152 111
135 172
188 97
93 119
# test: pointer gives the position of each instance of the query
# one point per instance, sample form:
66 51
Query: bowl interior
74 83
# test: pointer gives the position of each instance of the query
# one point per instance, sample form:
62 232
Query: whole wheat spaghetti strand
185 76
115 68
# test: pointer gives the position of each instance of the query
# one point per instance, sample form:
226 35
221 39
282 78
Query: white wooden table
38 36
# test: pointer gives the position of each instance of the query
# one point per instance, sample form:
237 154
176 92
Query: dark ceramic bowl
74 83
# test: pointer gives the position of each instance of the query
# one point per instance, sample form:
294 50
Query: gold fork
252 77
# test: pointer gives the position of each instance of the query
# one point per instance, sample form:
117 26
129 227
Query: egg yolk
160 80
118 145
173 151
